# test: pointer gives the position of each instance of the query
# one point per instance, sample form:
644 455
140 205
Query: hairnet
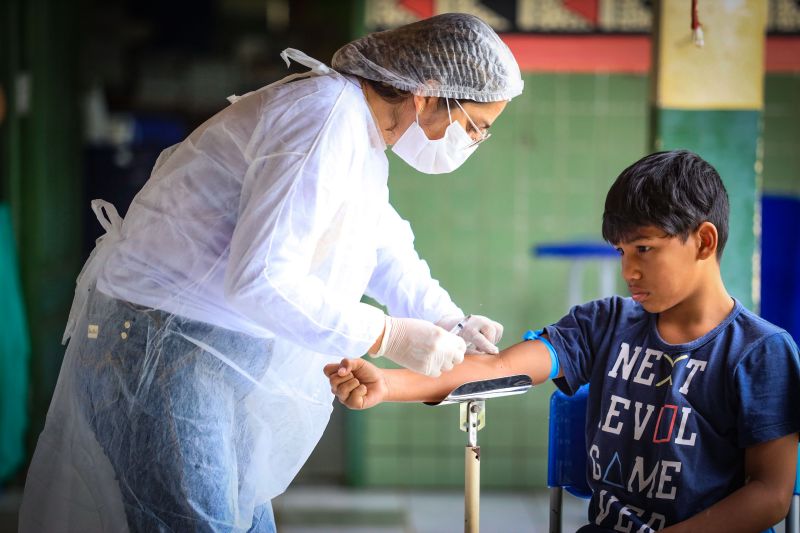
453 55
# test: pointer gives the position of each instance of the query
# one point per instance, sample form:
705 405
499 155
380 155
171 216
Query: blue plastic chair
566 451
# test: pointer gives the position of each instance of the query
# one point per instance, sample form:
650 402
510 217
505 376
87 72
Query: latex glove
421 346
479 332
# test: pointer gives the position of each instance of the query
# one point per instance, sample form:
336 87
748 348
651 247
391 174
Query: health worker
191 390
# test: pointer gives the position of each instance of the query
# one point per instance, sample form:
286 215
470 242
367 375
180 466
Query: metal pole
556 494
472 468
472 486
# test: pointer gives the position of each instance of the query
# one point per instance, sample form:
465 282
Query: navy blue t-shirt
667 424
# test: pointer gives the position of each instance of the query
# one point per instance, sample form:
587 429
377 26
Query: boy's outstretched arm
764 500
359 384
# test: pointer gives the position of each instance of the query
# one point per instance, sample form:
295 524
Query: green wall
542 177
782 135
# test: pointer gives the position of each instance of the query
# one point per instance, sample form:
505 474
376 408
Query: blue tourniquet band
531 335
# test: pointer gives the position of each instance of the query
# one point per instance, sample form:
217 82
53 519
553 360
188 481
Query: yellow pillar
709 100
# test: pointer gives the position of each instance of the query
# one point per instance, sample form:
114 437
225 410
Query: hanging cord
697 28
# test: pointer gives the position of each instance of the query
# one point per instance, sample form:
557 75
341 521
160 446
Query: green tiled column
729 141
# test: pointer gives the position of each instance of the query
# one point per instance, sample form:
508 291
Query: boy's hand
357 383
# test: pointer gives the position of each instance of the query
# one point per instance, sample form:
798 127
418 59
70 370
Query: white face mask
437 156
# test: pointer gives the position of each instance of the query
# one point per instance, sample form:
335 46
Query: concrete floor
310 509
9 503
305 509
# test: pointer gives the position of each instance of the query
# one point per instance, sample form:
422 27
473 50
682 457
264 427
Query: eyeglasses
483 134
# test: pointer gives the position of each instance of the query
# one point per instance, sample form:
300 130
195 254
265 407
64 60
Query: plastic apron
154 415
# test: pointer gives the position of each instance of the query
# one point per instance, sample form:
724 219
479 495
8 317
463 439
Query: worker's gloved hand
421 346
479 332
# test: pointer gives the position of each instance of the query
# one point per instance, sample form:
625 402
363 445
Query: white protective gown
271 219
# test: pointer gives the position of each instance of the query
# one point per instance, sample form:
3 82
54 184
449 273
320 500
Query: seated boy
694 401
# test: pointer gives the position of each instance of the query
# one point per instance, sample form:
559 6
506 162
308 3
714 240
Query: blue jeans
167 414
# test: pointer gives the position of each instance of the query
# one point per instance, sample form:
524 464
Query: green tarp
14 354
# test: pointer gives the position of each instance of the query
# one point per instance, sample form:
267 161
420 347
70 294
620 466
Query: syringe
460 326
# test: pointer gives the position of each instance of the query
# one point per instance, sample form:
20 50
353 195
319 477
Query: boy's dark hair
675 191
